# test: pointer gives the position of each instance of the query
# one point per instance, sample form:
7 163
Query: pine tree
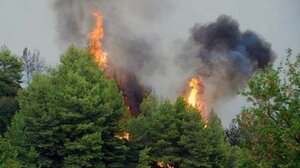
144 158
10 79
176 136
25 153
71 116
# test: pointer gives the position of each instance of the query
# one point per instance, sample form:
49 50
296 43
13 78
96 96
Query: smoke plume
219 52
127 24
131 47
224 56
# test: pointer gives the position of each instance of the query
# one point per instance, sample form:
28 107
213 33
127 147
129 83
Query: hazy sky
31 24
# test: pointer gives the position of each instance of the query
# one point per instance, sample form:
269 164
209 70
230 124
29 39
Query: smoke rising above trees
124 25
222 54
84 114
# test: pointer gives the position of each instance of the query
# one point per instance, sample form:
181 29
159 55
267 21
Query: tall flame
95 46
195 98
95 38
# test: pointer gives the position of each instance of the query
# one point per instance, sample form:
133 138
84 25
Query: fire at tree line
84 113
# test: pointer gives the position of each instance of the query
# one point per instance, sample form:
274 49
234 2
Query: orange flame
194 98
95 38
123 136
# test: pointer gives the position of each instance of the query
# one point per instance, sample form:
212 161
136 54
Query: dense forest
73 116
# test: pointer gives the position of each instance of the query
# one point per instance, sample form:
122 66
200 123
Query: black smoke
225 36
224 56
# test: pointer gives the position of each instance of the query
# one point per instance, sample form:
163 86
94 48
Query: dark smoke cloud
224 35
224 56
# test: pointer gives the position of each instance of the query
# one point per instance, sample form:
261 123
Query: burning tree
195 97
132 91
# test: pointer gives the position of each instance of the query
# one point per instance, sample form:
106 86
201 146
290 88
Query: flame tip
95 36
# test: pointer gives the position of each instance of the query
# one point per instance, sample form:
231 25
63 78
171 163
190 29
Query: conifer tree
10 79
70 116
175 135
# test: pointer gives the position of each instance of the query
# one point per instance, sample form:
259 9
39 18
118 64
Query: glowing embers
123 136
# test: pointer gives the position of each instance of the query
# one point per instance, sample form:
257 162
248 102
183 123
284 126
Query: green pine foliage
15 136
11 69
175 134
144 158
8 156
70 116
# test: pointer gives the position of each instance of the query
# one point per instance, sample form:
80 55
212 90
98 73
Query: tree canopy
175 134
10 79
270 126
71 115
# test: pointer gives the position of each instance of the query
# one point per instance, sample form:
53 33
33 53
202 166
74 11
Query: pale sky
31 23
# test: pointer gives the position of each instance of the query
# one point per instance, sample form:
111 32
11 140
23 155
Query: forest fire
95 38
100 57
195 96
127 82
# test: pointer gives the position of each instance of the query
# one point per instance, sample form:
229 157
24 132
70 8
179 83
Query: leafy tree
270 125
240 158
71 116
33 63
10 79
175 135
